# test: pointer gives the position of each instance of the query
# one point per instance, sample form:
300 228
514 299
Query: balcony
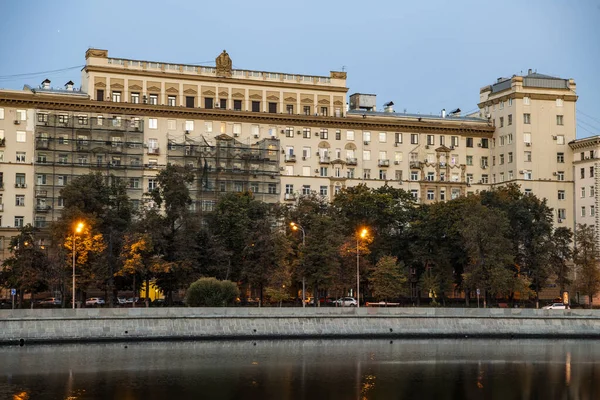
2 142
290 158
41 144
41 193
42 208
289 196
383 163
351 161
415 164
1 207
324 160
153 150
21 185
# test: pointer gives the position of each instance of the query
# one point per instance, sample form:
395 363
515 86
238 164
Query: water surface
305 369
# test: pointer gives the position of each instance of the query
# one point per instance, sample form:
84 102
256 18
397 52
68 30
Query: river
304 369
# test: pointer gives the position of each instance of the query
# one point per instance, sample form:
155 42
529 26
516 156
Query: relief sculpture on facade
223 63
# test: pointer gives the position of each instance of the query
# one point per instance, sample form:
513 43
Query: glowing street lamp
295 227
363 234
77 230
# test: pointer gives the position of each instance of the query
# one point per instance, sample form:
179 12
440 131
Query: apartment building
534 120
586 164
279 135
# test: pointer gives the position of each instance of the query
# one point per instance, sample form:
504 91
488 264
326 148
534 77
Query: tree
210 292
561 254
485 233
25 269
387 280
279 285
586 260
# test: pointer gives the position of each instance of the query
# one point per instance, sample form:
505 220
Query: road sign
478 292
13 292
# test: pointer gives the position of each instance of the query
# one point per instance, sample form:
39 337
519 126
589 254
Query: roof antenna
343 68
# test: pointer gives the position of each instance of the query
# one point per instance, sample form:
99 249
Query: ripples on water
305 369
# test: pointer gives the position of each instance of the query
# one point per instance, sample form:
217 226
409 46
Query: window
273 108
526 138
153 99
367 137
559 120
152 184
21 136
430 140
469 142
116 97
484 162
190 101
560 157
289 170
485 143
469 178
430 176
350 173
306 152
100 95
152 123
306 110
582 173
559 102
338 135
134 183
560 139
414 138
583 211
501 105
501 122
20 156
305 171
135 98
509 119
454 141
324 134
484 178
19 222
382 174
237 129
1 155
289 109
469 160
289 132
306 133
510 157
398 137
256 106
223 104
349 135
305 189
272 188
592 191
237 105
366 155
582 192
561 195
289 188
208 102
592 211
20 200
527 118
208 126
367 173
560 176
382 137
323 171
254 187
324 111
172 101
430 194
414 193
398 175
323 190
414 176
501 159
526 101
527 174
591 172
527 156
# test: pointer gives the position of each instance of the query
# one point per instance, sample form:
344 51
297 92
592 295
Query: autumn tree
586 260
560 256
387 280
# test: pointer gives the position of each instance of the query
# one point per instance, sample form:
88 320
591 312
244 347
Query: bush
210 292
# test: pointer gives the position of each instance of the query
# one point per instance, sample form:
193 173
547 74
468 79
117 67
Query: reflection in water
309 369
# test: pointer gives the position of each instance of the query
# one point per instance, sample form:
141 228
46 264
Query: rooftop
414 116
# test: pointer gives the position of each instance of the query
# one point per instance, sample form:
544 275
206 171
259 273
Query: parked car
324 301
346 301
556 306
94 301
50 301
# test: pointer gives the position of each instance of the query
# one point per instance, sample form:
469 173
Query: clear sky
424 55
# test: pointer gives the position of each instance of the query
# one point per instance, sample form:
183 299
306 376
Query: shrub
210 292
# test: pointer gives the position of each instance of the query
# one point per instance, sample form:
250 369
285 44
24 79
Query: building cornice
62 103
533 96
211 79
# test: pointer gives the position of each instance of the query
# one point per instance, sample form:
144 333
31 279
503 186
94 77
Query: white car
346 301
94 301
556 306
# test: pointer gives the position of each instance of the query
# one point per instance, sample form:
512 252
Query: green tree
279 285
561 254
387 280
26 268
586 260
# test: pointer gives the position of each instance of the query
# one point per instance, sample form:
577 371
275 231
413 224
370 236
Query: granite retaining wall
128 324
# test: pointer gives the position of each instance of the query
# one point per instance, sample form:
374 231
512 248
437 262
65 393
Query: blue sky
423 55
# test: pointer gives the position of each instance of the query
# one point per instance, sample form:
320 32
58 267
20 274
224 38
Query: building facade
279 135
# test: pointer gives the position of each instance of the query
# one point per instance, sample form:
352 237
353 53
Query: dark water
310 369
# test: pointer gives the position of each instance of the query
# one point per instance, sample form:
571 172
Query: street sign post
478 293
13 293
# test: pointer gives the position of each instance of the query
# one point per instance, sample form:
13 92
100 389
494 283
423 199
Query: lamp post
295 227
78 229
362 235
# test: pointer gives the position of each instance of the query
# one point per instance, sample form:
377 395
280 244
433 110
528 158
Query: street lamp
362 235
295 227
78 229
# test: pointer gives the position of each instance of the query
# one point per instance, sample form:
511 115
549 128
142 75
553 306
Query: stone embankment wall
120 324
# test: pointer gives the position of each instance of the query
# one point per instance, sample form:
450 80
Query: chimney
69 86
46 84
443 113
388 107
